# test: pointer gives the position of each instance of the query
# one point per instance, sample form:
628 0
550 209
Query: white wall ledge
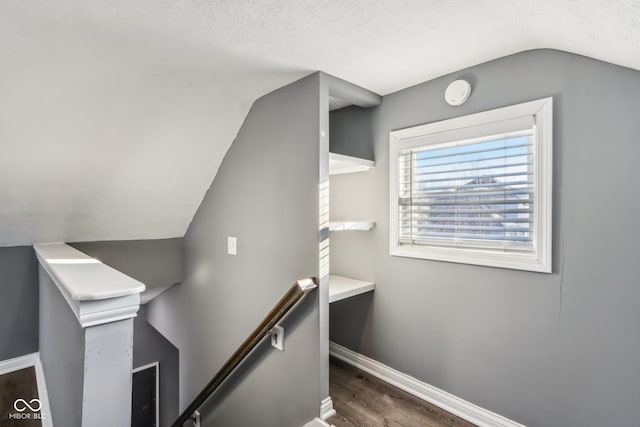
95 292
351 225
345 287
339 164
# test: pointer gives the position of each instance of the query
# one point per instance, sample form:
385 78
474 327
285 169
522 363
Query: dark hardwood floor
20 384
363 400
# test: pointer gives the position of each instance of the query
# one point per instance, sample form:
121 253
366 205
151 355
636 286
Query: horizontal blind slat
403 163
472 228
460 219
473 177
411 154
478 211
475 236
420 202
501 245
483 185
476 193
478 168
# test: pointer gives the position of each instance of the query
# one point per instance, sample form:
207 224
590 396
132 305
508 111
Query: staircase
86 312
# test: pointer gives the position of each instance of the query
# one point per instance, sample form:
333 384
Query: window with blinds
471 189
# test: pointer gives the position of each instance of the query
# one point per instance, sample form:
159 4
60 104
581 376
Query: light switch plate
232 245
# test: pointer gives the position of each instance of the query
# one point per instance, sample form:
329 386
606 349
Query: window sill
486 258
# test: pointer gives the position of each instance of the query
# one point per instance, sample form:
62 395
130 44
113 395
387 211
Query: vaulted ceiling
115 115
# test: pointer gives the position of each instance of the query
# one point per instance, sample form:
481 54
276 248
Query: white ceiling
115 115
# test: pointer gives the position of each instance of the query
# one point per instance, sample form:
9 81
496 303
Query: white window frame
539 259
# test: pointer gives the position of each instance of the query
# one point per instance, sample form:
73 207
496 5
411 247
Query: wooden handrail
299 289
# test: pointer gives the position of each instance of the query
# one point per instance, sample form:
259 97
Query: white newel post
87 363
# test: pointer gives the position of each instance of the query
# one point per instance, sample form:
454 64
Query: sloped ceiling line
115 116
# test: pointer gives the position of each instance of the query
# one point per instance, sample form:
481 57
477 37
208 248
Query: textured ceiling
114 116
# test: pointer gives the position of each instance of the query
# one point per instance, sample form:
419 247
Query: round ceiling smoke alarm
457 92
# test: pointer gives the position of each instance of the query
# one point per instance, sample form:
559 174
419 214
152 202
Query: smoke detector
457 92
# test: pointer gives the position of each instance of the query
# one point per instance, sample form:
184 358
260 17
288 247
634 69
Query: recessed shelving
339 163
351 225
341 287
344 287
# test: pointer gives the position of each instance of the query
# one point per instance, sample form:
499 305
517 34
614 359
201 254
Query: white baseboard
17 363
453 404
28 361
326 409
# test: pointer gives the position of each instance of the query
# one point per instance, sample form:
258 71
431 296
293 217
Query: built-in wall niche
341 287
339 164
351 223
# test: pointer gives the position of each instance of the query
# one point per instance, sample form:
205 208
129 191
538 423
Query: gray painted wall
18 302
156 263
351 132
150 346
266 195
62 354
545 350
353 198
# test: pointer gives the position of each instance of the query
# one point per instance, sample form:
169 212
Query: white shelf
339 163
351 225
345 287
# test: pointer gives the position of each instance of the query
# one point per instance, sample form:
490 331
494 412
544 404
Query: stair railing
299 289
